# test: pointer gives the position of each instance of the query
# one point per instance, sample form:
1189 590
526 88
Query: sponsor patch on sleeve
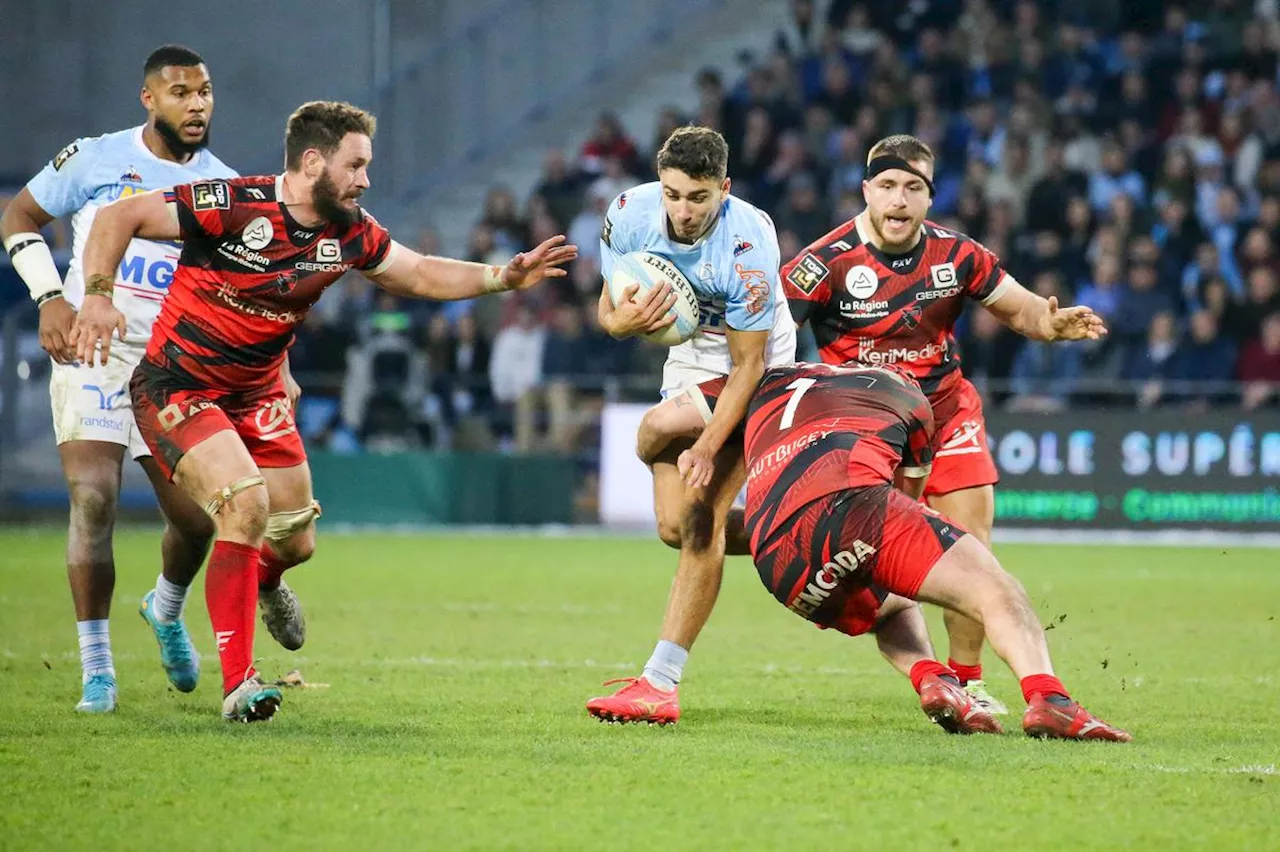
808 273
65 154
214 195
606 231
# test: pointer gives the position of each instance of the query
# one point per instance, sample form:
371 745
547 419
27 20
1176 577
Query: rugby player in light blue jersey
728 250
92 414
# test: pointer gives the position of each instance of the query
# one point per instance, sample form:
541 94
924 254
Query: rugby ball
652 270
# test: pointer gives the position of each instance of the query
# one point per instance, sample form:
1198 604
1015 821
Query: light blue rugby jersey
733 269
95 171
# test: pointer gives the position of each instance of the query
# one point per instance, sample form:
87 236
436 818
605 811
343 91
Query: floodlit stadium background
1126 156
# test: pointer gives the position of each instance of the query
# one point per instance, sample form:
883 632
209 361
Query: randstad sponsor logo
102 423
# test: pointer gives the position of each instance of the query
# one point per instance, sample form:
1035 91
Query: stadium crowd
1122 156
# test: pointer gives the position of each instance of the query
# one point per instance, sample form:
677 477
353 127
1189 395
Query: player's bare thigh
291 528
972 508
219 474
673 419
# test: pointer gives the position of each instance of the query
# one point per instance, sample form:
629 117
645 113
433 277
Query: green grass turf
453 719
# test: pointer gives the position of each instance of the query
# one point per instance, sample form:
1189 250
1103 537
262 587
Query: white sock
95 648
170 599
666 665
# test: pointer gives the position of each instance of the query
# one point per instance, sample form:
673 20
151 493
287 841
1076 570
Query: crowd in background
1124 156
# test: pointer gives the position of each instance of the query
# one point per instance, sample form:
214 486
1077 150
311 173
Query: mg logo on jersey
106 401
137 269
706 272
328 250
274 419
943 275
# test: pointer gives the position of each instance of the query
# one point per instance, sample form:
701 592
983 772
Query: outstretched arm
418 276
1039 318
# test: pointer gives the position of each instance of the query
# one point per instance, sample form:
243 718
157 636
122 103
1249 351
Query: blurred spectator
515 363
502 217
1243 319
1152 361
1044 374
560 186
1204 357
1048 199
607 139
1116 176
458 362
566 357
1259 366
1140 302
803 211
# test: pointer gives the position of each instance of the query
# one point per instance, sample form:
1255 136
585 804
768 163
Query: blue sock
95 648
666 665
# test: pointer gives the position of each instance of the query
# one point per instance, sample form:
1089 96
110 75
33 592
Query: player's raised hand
696 466
98 317
56 320
545 261
651 313
1078 323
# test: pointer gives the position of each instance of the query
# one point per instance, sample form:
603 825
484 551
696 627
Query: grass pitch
457 668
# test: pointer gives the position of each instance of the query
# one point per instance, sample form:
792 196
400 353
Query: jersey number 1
799 386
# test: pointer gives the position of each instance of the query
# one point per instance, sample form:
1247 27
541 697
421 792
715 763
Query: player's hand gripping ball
647 271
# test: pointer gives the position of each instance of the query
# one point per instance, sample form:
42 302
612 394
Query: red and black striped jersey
874 308
248 275
816 429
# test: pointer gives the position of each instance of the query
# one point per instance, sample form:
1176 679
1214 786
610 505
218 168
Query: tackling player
257 253
728 250
886 288
93 419
836 543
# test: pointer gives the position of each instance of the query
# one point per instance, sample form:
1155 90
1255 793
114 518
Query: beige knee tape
281 525
224 494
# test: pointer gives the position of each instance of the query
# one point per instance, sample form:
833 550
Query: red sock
270 568
924 668
1042 684
965 673
230 588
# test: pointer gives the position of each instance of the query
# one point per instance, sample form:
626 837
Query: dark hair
699 152
322 125
901 145
170 54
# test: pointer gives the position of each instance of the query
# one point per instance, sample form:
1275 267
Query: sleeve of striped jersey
987 279
615 237
917 458
376 241
65 184
202 207
805 281
751 303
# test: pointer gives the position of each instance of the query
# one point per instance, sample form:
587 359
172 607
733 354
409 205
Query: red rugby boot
1048 721
955 710
638 701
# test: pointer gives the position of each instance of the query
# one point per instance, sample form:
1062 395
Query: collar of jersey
150 155
696 244
916 253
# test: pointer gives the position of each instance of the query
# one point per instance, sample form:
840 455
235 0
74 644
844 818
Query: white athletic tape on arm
30 255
